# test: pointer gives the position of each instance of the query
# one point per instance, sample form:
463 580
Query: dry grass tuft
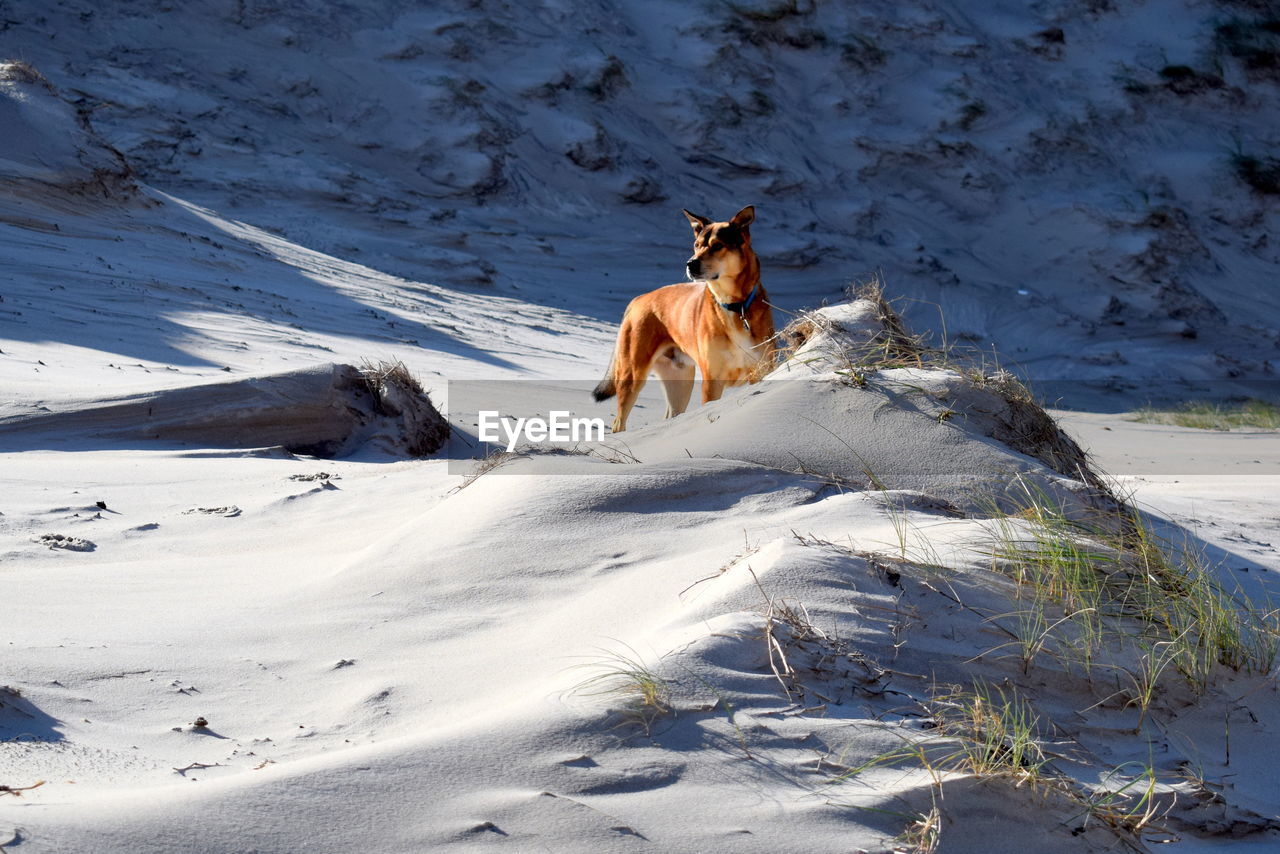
800 653
891 346
1029 429
895 342
397 393
992 734
923 834
987 732
385 380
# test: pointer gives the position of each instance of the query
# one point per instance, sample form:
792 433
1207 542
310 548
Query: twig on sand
196 766
776 653
17 791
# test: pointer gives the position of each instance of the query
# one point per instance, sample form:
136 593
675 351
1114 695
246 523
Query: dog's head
720 249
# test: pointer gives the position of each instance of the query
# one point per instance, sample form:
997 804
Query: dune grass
995 731
891 347
993 734
382 377
1112 582
1203 415
1143 622
644 695
987 731
1125 800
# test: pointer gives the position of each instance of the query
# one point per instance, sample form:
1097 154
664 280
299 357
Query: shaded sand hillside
1087 187
115 288
704 646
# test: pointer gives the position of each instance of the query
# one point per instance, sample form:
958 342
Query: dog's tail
606 388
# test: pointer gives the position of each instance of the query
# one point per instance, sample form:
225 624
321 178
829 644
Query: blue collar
740 308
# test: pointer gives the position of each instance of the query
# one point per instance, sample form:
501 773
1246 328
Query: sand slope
390 657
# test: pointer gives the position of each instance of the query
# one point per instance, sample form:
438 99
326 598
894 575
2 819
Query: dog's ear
744 217
698 222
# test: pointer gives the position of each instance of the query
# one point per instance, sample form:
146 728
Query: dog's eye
715 247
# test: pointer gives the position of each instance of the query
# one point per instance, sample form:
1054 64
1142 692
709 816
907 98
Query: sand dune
392 657
880 601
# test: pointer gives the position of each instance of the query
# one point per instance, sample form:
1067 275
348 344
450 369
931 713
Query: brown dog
720 322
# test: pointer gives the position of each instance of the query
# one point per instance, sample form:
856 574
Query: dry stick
771 642
772 645
746 553
696 583
17 791
195 766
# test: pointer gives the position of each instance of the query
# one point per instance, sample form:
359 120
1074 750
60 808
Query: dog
719 322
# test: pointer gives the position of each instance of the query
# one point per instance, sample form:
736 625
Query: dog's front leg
711 389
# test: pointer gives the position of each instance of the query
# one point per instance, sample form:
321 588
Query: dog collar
740 308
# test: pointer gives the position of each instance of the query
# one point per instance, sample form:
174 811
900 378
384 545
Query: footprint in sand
227 512
62 541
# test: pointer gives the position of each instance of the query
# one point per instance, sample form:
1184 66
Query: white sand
387 662
390 658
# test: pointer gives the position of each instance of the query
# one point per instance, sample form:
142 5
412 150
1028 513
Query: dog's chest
743 351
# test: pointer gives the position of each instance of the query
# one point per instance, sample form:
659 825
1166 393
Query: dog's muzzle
694 268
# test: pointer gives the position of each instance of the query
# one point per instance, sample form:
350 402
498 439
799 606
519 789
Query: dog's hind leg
676 370
628 384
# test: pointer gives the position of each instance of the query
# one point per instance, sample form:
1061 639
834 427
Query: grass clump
397 393
987 732
1029 429
644 695
387 379
993 734
923 833
890 346
1125 800
1113 583
1204 415
996 732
